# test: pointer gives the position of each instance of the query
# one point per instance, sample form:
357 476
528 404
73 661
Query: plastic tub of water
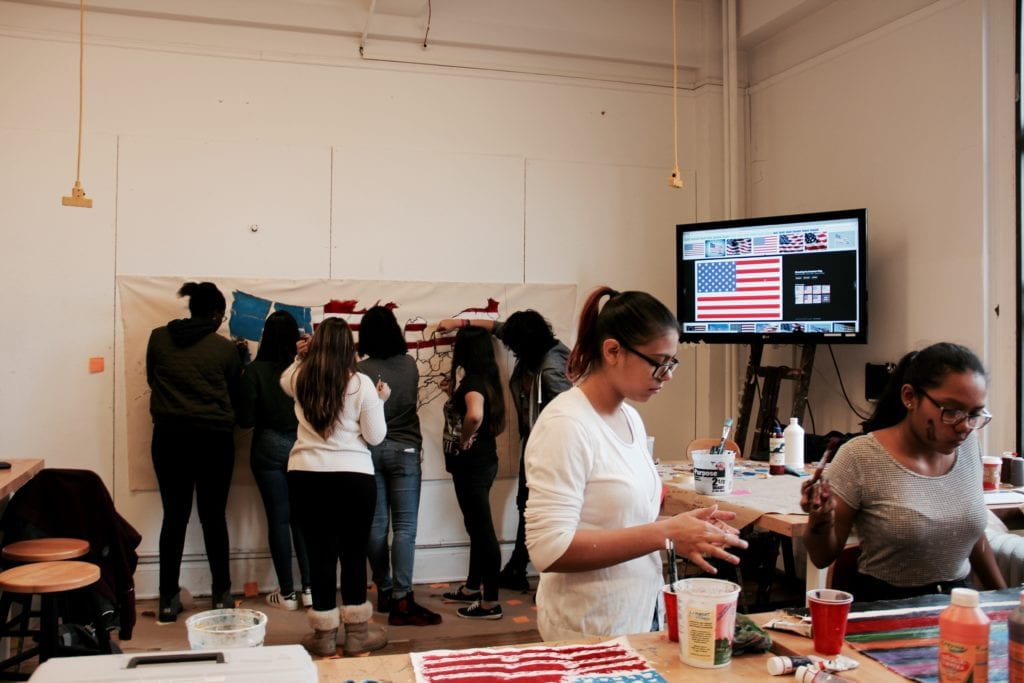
223 628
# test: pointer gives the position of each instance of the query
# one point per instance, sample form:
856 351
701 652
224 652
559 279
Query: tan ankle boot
360 637
324 639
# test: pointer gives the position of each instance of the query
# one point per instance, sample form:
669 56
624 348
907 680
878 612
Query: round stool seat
49 577
45 550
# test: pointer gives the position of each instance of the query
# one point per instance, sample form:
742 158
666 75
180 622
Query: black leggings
473 477
334 510
186 460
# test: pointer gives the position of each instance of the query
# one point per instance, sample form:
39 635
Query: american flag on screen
814 241
613 660
769 244
747 327
744 289
693 250
790 242
738 247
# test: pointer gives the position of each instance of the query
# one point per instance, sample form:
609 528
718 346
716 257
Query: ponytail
631 317
204 299
924 369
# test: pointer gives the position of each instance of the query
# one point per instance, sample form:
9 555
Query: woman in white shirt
331 482
592 524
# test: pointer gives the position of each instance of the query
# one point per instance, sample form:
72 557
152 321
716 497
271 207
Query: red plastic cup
671 613
829 609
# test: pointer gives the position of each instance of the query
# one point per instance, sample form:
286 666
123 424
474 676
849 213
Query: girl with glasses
592 524
911 486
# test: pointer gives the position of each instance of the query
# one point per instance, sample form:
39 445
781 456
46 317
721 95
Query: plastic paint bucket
224 628
706 610
712 474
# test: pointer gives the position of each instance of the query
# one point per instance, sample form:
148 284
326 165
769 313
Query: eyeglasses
954 416
660 369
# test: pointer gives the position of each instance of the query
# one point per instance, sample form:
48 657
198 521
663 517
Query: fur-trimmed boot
360 637
324 639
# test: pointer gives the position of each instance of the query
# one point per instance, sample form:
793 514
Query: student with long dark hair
270 412
330 477
592 522
474 416
537 377
911 486
193 373
396 463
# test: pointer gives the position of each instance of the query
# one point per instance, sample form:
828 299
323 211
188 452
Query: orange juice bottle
963 639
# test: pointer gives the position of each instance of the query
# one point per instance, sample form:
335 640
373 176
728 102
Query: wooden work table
22 469
654 647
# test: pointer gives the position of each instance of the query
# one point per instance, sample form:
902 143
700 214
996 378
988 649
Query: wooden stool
49 580
45 550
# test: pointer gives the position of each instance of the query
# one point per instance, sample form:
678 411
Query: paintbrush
670 549
726 428
830 449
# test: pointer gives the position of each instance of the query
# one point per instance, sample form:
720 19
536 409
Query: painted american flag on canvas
614 659
744 289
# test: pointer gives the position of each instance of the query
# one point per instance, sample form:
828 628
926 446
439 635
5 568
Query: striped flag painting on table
744 289
612 660
905 639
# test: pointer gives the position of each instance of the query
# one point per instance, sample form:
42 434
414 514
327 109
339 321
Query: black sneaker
169 609
223 600
405 611
461 595
475 611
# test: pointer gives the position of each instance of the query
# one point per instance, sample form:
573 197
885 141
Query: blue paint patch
303 315
248 313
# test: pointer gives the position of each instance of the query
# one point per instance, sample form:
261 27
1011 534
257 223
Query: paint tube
798 627
783 666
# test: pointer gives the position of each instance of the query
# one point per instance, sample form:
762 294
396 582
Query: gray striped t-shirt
913 529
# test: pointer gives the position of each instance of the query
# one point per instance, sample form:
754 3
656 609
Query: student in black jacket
194 376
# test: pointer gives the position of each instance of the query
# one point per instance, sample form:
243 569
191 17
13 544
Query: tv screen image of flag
783 279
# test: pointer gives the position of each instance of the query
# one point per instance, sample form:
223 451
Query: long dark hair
924 369
474 353
634 318
529 336
324 374
379 334
280 333
204 299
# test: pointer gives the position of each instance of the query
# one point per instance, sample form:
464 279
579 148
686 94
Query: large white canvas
149 302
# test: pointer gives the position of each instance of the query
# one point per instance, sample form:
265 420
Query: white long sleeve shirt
582 475
360 422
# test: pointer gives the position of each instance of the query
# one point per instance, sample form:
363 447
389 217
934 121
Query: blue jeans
397 471
269 462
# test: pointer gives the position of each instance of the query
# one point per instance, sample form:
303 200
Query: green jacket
194 374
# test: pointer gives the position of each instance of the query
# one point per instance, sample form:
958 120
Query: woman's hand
468 443
449 324
302 346
816 500
704 533
383 390
446 385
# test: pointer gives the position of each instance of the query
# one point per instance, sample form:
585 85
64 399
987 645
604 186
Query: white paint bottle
794 436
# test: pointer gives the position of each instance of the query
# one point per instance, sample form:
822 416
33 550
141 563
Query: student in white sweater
331 482
592 525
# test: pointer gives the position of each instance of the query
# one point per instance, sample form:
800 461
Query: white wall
198 127
913 119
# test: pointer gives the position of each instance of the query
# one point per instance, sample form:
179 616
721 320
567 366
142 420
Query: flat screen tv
796 279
